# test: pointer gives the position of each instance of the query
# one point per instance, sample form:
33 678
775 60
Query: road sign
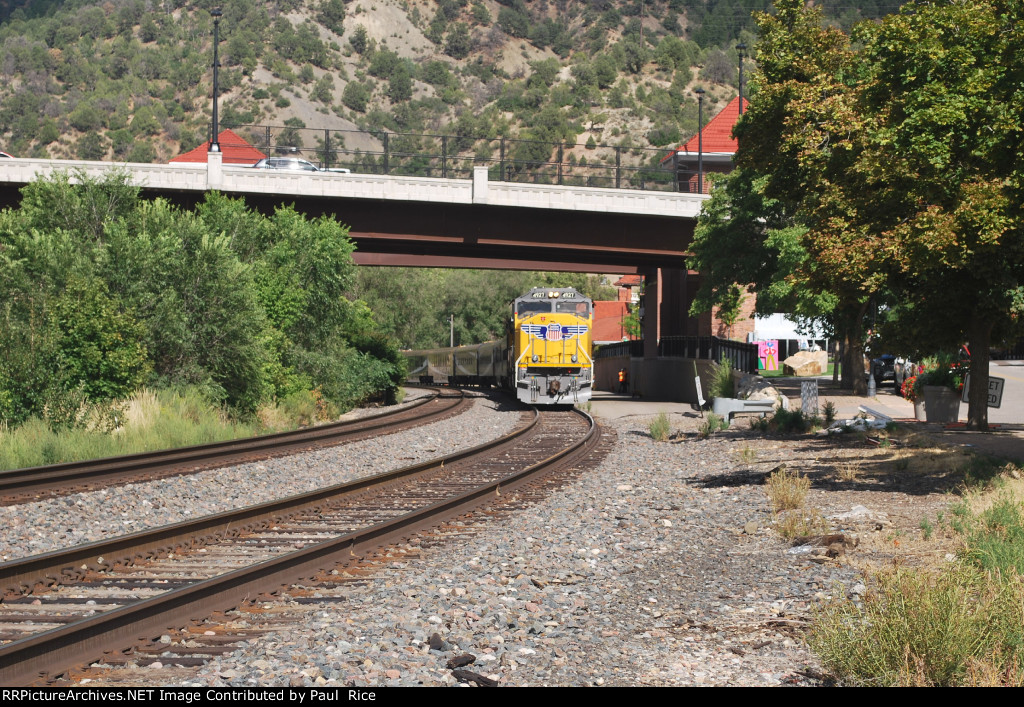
995 390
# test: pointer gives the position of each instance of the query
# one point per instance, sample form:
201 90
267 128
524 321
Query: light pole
214 144
742 47
700 140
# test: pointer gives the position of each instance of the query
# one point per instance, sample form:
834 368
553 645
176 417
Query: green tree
458 44
897 157
97 344
356 96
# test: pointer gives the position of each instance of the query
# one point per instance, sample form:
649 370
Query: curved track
156 582
30 484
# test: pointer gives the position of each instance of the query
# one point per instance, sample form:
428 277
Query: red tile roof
629 281
717 134
234 149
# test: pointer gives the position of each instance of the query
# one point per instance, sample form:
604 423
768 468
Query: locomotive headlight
536 358
575 358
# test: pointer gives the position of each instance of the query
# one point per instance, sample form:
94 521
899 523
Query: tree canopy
898 150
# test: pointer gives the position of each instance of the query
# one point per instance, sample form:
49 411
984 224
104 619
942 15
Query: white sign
995 390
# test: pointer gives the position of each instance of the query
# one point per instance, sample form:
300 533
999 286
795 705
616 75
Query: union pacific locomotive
545 356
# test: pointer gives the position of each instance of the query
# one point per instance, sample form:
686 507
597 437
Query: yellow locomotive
545 357
549 346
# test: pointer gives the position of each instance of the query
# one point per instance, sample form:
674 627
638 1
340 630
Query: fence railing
742 356
455 156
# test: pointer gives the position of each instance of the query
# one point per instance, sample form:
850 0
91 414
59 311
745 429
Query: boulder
806 363
758 388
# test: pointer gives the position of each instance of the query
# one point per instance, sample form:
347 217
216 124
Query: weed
660 428
585 407
829 410
712 423
747 455
787 490
926 529
801 523
848 471
913 627
960 625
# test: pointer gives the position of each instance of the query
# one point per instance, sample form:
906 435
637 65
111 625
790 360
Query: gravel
56 524
638 573
659 567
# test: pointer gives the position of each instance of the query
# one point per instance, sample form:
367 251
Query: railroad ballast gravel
59 523
646 571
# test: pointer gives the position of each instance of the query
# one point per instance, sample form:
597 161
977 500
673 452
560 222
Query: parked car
294 164
883 368
903 368
4 154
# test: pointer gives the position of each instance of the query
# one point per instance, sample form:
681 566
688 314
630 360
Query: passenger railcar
545 357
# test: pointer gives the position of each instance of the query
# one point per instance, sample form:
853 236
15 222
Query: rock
758 388
806 363
468 676
750 527
461 660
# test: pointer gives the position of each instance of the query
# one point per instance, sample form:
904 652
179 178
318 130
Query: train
544 359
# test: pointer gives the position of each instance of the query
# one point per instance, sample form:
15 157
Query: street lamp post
742 47
700 140
214 144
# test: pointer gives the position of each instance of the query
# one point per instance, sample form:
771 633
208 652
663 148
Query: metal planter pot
941 404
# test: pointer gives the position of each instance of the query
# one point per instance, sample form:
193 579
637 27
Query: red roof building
235 150
714 147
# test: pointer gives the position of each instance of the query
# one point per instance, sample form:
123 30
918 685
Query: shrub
712 423
722 385
660 428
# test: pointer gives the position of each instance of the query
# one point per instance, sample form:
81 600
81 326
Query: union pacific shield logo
555 331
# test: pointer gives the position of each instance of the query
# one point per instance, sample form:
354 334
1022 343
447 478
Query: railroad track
67 608
35 483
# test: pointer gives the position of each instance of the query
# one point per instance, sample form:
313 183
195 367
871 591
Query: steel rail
28 659
24 483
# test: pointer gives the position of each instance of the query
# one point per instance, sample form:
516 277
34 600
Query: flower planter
919 413
941 404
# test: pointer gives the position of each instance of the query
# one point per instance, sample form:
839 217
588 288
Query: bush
722 385
712 423
660 428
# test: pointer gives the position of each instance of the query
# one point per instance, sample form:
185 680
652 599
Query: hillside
132 80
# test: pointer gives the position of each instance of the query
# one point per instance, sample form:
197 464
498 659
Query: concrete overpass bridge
437 222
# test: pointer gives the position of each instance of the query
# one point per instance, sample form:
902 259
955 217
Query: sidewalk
1005 439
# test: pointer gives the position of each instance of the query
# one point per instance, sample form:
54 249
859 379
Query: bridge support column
214 170
652 312
675 305
479 185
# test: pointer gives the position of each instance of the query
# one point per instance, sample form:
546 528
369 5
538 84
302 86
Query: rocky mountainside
132 79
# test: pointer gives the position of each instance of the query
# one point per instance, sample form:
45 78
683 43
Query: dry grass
801 523
847 471
787 489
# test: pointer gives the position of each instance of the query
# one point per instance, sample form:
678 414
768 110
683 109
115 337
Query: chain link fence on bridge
455 156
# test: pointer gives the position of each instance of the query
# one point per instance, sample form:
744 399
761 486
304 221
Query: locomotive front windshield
580 309
557 302
525 308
